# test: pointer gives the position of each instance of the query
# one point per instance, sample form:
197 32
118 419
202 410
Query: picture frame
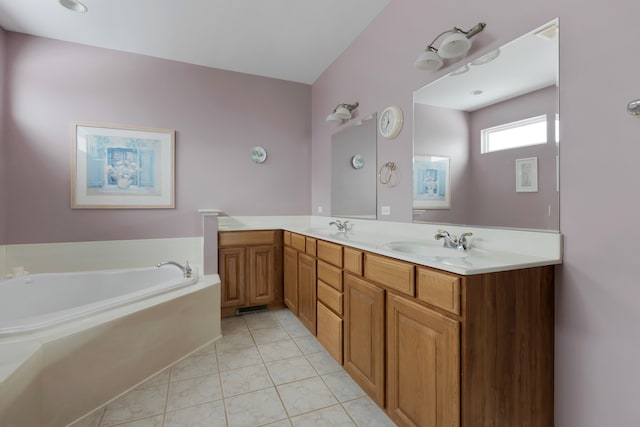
431 182
122 167
527 175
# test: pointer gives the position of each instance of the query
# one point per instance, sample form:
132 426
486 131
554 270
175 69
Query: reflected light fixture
633 108
74 5
456 44
342 112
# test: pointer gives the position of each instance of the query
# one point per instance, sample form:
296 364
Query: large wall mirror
353 170
485 139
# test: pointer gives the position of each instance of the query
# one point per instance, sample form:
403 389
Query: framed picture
121 167
431 182
527 175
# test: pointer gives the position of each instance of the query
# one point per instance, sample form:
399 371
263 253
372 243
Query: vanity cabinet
423 365
432 348
291 279
307 291
250 269
364 337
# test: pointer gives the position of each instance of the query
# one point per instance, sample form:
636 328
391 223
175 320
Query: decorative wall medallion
258 154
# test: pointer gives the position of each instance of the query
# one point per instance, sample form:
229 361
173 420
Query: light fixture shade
454 45
74 5
333 118
342 112
428 60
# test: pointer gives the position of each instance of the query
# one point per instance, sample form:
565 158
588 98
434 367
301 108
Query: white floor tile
289 370
210 414
194 391
254 409
305 396
333 416
247 356
231 383
367 414
137 404
343 386
279 350
244 380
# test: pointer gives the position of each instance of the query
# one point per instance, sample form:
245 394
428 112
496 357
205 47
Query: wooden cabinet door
423 365
232 269
291 279
261 275
307 291
364 336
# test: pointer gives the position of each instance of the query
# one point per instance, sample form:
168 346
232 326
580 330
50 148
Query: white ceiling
526 64
293 40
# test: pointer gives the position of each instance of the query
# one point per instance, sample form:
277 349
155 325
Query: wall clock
390 122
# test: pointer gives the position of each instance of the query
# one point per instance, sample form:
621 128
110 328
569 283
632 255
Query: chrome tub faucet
186 269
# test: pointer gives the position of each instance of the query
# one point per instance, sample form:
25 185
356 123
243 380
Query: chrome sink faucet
186 269
343 227
462 243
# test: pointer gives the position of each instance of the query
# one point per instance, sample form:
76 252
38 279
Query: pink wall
218 117
3 161
445 132
496 202
597 291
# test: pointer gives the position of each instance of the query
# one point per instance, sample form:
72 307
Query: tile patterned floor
267 370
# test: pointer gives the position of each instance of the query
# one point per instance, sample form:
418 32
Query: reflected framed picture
122 167
431 182
527 175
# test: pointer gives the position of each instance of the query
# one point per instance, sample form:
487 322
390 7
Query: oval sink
424 249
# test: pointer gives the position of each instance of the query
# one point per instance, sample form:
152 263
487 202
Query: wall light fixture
74 5
456 44
342 112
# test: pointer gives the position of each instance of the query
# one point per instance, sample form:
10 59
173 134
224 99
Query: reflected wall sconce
342 112
74 5
633 108
456 44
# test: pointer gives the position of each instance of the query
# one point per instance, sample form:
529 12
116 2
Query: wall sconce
342 112
457 43
74 5
633 108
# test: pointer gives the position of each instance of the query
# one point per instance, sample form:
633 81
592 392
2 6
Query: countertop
492 250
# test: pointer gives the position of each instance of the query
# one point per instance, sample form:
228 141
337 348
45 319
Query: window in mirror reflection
523 133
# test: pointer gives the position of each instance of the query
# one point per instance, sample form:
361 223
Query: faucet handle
463 242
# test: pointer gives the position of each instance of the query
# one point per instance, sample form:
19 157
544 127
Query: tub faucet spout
186 269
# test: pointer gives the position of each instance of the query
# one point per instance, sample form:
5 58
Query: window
522 133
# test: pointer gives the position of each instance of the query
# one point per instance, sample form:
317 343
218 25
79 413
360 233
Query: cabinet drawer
330 275
330 252
246 238
330 297
389 272
287 238
353 260
311 246
439 289
298 242
330 332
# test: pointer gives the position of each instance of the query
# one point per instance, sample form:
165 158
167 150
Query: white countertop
492 249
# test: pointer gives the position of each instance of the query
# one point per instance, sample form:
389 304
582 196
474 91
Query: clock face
390 122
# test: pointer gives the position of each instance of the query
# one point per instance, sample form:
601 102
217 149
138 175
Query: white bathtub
72 342
36 301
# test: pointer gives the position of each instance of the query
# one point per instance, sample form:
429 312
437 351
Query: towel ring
387 170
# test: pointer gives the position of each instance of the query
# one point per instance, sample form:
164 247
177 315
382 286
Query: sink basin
424 249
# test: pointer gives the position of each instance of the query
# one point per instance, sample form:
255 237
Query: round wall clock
390 122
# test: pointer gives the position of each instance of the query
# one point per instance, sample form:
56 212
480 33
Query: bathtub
36 301
72 342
